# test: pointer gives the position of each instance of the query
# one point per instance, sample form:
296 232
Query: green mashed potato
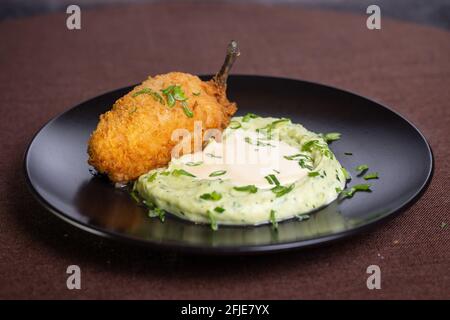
219 199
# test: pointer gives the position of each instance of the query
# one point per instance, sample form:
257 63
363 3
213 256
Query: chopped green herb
174 93
178 93
193 164
359 187
168 90
308 146
293 157
362 168
156 96
332 136
165 173
250 188
313 174
297 156
302 217
213 196
234 124
272 179
348 153
276 171
249 116
135 196
148 204
213 156
152 177
258 143
338 190
371 175
196 93
316 145
213 221
170 100
219 209
273 220
181 172
271 126
302 163
346 174
186 110
218 173
282 190
157 212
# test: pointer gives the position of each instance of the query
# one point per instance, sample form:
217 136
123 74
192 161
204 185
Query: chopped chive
135 196
156 96
282 190
181 172
174 93
273 125
249 116
157 212
152 177
219 209
218 173
213 221
250 188
186 110
332 136
346 174
302 217
258 143
213 196
302 163
213 156
313 174
272 179
170 100
362 168
316 145
165 173
308 146
193 164
168 89
298 155
338 190
359 187
273 220
234 124
371 175
178 93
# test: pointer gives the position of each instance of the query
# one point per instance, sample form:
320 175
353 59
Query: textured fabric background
45 69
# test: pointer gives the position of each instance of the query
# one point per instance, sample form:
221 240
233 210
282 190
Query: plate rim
245 249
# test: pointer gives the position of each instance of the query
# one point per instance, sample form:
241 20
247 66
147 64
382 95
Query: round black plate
60 177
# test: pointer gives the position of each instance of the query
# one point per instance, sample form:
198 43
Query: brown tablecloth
45 69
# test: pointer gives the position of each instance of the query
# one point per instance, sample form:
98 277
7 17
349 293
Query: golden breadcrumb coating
135 135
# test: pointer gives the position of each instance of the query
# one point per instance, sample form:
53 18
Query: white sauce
246 158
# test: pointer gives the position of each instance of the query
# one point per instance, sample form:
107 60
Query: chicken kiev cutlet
135 136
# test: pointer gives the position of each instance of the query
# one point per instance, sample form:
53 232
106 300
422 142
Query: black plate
60 177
